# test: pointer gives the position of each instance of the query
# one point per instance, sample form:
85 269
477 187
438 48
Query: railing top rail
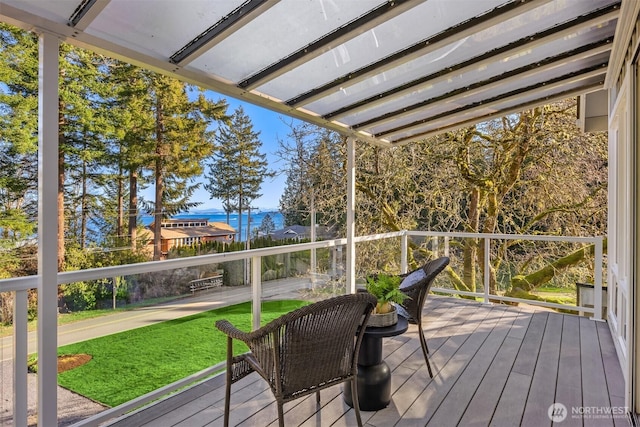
30 282
592 239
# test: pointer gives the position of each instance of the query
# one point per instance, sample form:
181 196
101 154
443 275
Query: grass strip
129 364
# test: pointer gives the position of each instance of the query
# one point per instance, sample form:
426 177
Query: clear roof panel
488 92
267 40
58 10
447 84
159 26
537 97
408 29
421 22
453 54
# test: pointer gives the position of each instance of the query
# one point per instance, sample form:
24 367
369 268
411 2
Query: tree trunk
120 208
133 207
159 179
157 214
470 250
61 250
489 227
84 207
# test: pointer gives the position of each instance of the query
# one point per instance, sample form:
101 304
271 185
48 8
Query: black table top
388 331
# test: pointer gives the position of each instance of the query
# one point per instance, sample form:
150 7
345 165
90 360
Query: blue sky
271 126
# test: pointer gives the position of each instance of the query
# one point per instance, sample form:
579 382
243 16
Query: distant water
256 220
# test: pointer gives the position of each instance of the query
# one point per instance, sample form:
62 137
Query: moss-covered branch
545 274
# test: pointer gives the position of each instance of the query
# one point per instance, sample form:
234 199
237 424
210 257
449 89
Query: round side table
374 375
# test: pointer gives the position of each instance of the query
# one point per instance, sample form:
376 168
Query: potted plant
387 290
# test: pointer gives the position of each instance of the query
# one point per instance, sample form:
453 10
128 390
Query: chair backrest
418 290
314 345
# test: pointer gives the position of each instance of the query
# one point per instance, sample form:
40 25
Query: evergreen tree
133 144
182 142
18 144
238 168
88 127
267 226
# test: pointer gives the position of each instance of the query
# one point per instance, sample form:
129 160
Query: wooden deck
493 365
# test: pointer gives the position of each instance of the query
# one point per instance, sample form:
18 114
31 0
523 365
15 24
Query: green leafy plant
387 290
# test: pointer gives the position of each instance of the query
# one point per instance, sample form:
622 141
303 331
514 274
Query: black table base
374 375
374 387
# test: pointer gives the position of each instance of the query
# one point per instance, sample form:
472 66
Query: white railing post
256 291
487 247
20 350
597 279
434 246
446 246
404 243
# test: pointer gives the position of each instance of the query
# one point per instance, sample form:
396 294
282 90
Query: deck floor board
493 365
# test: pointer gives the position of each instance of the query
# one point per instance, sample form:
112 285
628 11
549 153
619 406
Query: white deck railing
21 286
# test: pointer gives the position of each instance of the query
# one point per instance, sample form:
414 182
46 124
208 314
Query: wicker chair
304 351
416 285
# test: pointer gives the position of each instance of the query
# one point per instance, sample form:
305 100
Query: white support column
20 353
48 230
256 291
351 230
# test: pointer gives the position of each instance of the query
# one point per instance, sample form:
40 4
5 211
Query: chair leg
318 397
280 414
421 330
227 398
354 400
425 349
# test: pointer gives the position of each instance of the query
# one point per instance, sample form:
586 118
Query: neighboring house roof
214 229
179 233
223 226
302 232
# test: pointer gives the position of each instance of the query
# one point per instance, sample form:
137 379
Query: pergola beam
86 12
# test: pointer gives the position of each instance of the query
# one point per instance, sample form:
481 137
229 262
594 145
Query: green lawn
131 363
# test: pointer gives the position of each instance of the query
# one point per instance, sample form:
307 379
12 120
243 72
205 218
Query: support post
256 291
487 264
48 230
597 279
351 199
404 243
20 354
313 264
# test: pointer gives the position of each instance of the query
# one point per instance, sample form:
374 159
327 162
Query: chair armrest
247 337
231 331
